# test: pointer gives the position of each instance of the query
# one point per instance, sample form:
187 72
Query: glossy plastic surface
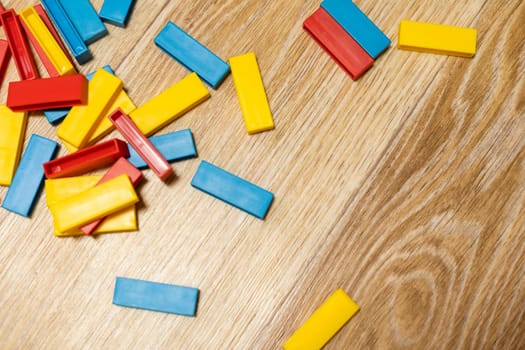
12 133
85 19
116 12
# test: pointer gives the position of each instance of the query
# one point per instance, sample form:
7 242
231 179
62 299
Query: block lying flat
5 55
116 12
12 133
232 189
85 19
155 296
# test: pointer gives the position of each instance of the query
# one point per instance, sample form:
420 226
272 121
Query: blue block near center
85 19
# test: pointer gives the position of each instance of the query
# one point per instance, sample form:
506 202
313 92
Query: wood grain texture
405 188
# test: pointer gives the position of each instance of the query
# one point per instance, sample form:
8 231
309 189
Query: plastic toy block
252 96
338 44
173 146
87 159
170 104
156 296
358 25
5 55
191 54
437 38
81 122
141 144
12 132
232 189
67 30
22 55
48 65
85 20
27 182
40 94
94 203
116 12
122 166
324 323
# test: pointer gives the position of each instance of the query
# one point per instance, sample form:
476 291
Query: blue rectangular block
232 189
192 54
67 30
358 25
29 177
85 19
156 296
116 12
173 146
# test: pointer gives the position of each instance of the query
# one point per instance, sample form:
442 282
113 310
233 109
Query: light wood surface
406 189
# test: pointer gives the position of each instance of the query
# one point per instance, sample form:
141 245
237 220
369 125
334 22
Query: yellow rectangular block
437 38
324 323
252 95
12 132
81 121
47 42
170 104
94 203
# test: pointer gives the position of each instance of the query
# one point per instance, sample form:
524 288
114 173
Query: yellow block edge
12 133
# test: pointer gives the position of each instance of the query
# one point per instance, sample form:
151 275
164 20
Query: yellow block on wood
12 132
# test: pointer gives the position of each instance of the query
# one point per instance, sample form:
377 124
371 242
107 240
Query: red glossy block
338 44
48 93
141 144
87 159
18 44
50 68
5 54
122 166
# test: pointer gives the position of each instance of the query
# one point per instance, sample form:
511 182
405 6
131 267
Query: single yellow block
81 121
437 38
170 104
47 42
252 95
12 132
324 323
95 203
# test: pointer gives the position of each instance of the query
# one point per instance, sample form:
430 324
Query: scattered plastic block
358 25
40 94
94 203
121 166
26 185
191 54
170 104
173 146
338 44
66 28
5 55
12 133
116 12
22 55
155 296
141 144
45 41
87 159
324 323
81 122
85 19
232 189
437 38
252 96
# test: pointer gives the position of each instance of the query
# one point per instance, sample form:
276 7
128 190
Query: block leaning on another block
12 132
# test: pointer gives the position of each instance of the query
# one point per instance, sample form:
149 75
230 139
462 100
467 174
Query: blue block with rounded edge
173 146
29 177
358 25
232 189
116 12
67 30
192 54
156 296
85 19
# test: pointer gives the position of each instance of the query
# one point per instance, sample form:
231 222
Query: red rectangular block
47 93
141 144
87 159
5 54
338 44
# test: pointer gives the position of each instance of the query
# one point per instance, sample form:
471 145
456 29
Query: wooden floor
406 189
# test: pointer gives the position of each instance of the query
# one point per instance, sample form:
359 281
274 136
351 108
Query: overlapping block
12 132
85 19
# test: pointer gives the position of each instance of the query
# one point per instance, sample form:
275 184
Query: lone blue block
116 12
232 189
358 25
155 296
67 30
29 177
192 54
85 19
173 146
